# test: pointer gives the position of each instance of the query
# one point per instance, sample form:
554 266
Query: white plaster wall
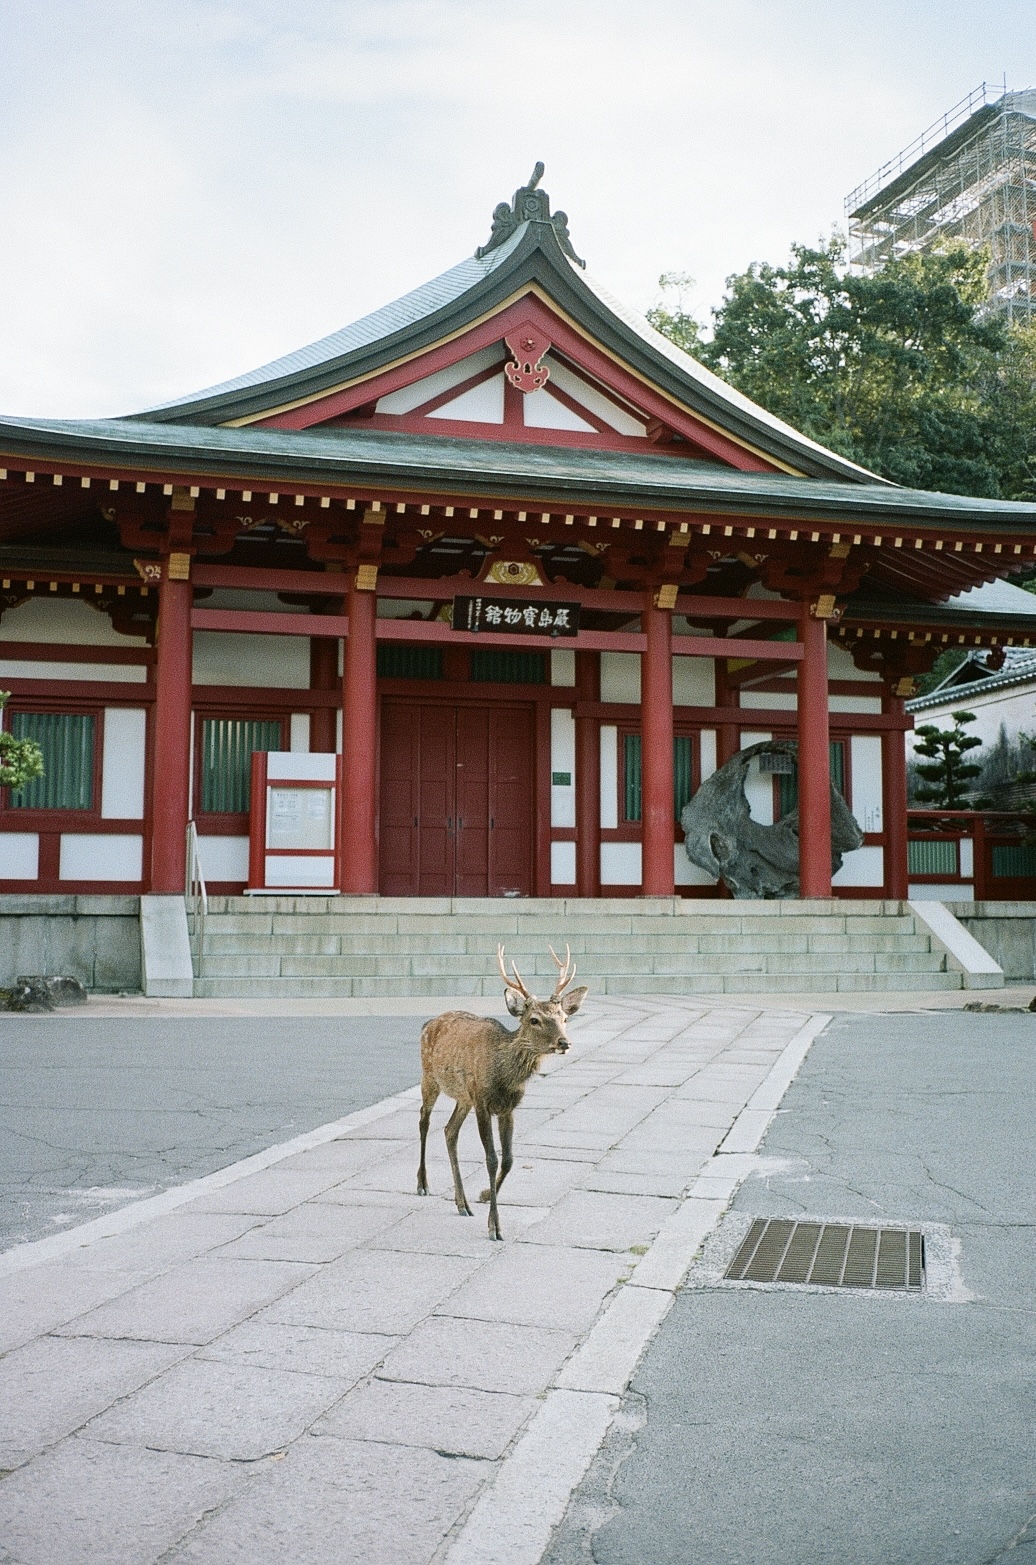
871 704
620 864
841 666
1014 709
66 620
609 776
865 773
562 759
310 872
420 391
19 855
482 404
299 730
563 667
563 863
620 677
708 752
122 763
694 681
224 858
862 867
261 662
952 891
686 873
86 856
769 701
108 673
758 785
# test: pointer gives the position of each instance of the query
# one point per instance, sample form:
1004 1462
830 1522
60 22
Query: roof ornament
528 205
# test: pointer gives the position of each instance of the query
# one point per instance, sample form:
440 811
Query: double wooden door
456 800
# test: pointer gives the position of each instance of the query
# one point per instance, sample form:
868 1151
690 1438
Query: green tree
900 371
946 775
20 759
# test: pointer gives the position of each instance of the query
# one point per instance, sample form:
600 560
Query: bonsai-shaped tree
946 777
21 760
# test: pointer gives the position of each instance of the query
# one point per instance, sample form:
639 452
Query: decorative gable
524 375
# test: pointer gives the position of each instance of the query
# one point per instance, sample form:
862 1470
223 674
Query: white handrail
195 893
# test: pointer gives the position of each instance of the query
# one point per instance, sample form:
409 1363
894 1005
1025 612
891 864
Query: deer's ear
514 1002
573 1000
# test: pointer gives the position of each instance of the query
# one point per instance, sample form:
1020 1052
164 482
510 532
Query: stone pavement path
310 1363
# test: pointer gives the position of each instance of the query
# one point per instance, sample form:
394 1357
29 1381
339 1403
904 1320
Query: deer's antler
514 983
565 976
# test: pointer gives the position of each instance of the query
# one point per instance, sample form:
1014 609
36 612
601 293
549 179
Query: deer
485 1066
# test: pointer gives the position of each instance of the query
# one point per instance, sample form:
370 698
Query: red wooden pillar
894 802
814 760
656 716
323 675
359 848
727 737
588 776
171 748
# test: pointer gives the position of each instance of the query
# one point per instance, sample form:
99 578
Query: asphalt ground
787 1426
96 1112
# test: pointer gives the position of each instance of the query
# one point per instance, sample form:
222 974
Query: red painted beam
814 763
259 623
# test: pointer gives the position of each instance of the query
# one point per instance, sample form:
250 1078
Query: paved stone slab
192 1303
315 1350
437 1228
538 1285
85 1503
454 1420
50 1387
238 1412
270 1192
593 1220
165 1241
341 1500
316 1231
373 1290
45 1297
488 1355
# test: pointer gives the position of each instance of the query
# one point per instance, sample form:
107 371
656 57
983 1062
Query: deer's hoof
494 1233
465 1211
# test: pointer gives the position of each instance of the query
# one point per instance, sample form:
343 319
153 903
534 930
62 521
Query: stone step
531 955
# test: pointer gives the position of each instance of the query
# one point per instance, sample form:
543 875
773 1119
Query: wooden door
456 800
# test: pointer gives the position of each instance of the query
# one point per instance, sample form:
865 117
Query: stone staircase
318 947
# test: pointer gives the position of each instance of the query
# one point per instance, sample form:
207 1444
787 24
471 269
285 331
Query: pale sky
192 187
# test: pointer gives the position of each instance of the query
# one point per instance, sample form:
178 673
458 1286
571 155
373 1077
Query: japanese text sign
516 616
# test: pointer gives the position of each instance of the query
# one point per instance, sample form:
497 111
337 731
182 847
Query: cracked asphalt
787 1426
96 1112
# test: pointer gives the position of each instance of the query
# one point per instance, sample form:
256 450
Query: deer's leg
453 1125
506 1122
429 1096
485 1130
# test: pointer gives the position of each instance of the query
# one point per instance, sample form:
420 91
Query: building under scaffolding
970 176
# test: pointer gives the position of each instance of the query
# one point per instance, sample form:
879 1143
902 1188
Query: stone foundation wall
1007 930
94 939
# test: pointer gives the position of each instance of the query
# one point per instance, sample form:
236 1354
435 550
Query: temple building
499 572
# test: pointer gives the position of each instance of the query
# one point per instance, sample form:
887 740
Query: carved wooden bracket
528 344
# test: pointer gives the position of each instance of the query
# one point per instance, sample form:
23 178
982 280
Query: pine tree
946 778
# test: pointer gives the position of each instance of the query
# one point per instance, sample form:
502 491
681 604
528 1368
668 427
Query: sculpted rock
752 859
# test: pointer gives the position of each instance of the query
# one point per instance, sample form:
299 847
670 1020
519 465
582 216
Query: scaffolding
971 176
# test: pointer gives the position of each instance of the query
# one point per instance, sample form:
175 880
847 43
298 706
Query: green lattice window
409 662
932 856
67 740
788 782
1013 861
632 774
227 744
508 668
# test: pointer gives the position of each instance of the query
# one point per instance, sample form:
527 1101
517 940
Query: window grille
67 740
933 857
508 668
1013 861
633 794
408 662
227 744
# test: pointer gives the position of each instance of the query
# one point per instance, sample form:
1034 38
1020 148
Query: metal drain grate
829 1255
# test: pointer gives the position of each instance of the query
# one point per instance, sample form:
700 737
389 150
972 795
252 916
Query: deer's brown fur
484 1066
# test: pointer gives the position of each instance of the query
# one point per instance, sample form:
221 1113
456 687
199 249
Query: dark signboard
516 616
